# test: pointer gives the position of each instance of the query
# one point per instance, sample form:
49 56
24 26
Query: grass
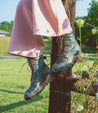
13 85
89 49
47 49
4 46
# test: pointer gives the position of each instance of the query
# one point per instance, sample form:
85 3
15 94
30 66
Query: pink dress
34 19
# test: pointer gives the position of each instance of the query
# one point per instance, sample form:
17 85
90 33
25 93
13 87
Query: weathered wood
71 87
59 103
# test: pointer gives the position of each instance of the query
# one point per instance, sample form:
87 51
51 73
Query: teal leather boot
40 78
69 55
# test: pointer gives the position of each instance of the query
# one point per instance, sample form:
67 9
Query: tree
7 26
91 18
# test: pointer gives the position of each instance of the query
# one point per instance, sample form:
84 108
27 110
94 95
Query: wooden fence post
60 102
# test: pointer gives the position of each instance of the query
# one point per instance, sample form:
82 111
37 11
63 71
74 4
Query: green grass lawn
13 84
4 46
89 49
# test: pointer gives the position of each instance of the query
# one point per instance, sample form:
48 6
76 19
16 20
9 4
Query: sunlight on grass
4 46
13 84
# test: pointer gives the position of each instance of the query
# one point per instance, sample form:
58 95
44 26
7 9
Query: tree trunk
60 98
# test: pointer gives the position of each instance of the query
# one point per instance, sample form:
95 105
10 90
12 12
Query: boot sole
44 84
71 65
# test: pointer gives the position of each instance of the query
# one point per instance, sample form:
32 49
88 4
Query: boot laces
65 42
59 39
29 64
23 66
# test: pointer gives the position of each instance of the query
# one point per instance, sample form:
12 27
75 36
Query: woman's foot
69 55
40 79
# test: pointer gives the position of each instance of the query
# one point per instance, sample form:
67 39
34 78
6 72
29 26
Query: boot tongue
41 61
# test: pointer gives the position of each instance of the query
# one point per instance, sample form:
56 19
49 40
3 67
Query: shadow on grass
18 104
93 59
89 49
9 91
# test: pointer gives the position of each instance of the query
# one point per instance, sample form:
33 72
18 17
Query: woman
34 19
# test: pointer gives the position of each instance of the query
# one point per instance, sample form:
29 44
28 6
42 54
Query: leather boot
69 55
40 77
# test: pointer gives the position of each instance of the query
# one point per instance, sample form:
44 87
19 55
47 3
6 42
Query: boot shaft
69 44
36 63
33 63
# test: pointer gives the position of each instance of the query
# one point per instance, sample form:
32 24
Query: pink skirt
34 19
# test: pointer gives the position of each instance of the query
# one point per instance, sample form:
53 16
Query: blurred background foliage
88 37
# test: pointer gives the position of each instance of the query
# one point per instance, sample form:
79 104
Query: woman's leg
23 43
